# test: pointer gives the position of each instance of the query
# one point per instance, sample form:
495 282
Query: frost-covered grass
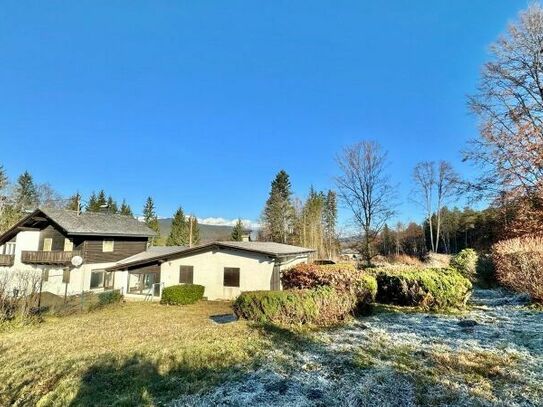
490 355
148 354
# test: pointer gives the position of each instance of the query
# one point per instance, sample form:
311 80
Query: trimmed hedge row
427 288
343 277
109 297
182 294
322 306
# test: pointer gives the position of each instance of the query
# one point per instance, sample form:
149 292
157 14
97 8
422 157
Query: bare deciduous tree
425 179
434 185
509 106
365 189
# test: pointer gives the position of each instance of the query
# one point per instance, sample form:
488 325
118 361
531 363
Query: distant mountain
208 233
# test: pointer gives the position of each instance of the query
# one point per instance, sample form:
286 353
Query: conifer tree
151 219
194 231
101 200
278 216
179 234
112 205
125 209
237 232
26 195
74 202
3 178
92 204
97 202
330 220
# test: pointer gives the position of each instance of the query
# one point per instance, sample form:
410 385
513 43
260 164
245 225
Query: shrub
519 265
343 277
486 273
109 297
404 259
465 263
427 288
182 294
322 306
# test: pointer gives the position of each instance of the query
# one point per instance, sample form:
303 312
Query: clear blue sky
200 103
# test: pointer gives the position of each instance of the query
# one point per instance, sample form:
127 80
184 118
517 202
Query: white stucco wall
25 240
255 272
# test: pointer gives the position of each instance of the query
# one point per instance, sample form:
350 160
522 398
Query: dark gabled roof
83 224
155 254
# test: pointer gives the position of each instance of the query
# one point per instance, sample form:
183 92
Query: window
66 276
45 275
186 274
108 245
109 279
9 248
97 279
47 244
231 277
68 245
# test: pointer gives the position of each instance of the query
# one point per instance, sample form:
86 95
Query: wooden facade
53 244
7 260
92 249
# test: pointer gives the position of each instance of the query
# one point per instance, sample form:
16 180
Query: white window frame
68 245
47 244
108 246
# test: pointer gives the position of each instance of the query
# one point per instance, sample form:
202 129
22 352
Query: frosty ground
490 355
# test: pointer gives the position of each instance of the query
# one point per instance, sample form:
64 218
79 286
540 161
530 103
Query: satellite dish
77 261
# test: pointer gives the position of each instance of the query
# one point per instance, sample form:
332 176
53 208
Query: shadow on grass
137 381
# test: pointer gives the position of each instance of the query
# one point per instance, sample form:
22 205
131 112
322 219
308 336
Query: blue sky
200 103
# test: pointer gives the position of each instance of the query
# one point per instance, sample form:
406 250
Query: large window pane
97 279
231 277
186 274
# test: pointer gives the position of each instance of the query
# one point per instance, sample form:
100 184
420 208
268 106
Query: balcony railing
6 260
41 257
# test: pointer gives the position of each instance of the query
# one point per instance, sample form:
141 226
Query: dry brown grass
130 354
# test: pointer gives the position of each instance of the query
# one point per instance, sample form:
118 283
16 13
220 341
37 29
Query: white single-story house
225 269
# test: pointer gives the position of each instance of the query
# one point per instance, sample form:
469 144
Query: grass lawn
147 354
131 354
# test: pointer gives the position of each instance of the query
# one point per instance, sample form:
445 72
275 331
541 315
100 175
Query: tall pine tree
330 219
151 219
26 195
112 205
97 203
125 209
179 234
237 232
194 231
3 179
278 216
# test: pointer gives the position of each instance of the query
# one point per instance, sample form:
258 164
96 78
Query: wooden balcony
55 257
6 260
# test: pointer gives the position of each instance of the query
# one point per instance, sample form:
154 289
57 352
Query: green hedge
182 294
343 277
423 287
109 297
465 262
321 306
